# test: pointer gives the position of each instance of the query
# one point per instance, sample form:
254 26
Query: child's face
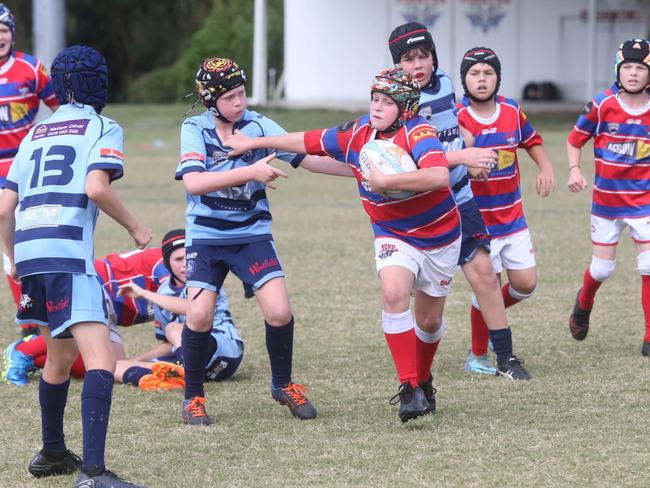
634 76
233 103
481 81
419 63
5 41
383 111
177 264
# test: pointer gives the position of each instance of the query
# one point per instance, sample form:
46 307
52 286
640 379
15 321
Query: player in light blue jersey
412 47
226 347
228 225
58 181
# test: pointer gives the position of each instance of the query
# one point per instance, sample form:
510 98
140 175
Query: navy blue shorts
253 263
474 232
61 300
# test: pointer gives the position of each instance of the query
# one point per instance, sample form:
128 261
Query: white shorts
512 252
606 232
433 269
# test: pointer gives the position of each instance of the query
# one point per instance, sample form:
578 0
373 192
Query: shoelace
197 407
296 393
395 399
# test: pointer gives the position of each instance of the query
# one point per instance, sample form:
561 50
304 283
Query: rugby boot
107 479
513 369
293 396
579 320
41 465
412 403
429 395
193 412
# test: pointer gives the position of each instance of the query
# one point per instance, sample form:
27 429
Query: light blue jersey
231 216
56 219
222 323
438 105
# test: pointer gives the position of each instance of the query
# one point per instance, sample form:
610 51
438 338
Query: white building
334 47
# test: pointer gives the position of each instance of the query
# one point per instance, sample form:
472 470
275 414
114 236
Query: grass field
582 421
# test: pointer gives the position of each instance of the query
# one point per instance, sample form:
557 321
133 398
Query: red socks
588 292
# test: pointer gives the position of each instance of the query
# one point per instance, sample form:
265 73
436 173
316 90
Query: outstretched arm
291 142
326 165
175 305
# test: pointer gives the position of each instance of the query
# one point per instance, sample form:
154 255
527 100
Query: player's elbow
192 184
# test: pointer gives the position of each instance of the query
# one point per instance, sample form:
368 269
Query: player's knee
429 323
278 316
643 263
394 298
523 291
200 320
602 269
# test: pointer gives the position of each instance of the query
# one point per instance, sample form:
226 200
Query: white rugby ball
390 159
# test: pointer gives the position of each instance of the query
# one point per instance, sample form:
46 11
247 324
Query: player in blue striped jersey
228 227
58 181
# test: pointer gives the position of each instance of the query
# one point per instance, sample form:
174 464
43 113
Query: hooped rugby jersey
23 83
145 268
621 152
56 219
438 106
222 323
234 215
426 220
499 197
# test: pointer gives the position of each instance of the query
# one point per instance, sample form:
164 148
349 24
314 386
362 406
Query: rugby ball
390 159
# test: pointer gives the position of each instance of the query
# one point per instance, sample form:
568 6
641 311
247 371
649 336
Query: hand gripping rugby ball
390 159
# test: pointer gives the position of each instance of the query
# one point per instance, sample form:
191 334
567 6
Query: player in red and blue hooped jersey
24 82
412 48
498 123
619 122
417 239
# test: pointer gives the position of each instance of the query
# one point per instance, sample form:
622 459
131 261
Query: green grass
582 421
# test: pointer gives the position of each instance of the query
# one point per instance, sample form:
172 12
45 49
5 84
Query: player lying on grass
492 121
413 49
417 240
160 368
619 121
225 345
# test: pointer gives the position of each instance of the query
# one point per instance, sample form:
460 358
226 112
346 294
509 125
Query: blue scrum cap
80 75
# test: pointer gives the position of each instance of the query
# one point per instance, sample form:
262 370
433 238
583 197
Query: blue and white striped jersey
438 105
56 219
234 215
222 323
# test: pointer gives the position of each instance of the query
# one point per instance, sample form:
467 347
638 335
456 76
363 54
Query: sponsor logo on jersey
623 148
446 282
346 126
75 127
642 150
192 156
612 128
423 132
219 156
491 130
191 255
506 159
634 121
111 153
41 216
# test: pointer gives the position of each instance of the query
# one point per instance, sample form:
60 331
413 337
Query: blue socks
195 352
133 374
96 397
52 399
279 344
502 343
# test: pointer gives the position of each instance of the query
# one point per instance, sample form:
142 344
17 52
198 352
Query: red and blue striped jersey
143 267
23 83
499 197
621 153
426 220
